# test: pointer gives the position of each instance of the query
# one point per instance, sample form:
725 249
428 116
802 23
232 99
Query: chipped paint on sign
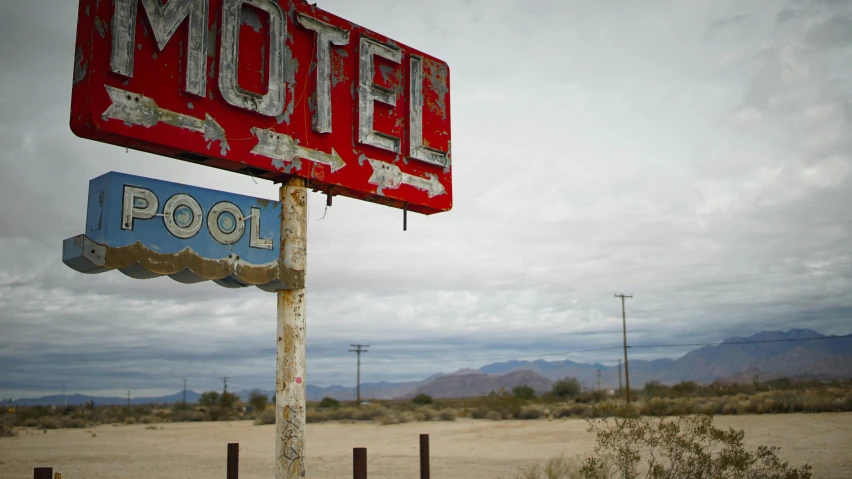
283 66
386 175
282 147
139 110
148 228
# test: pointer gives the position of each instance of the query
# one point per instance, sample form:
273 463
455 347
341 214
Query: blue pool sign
147 228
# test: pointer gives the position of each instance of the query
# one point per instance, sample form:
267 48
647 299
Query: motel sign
267 88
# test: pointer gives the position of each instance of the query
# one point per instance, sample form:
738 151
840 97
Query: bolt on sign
147 228
267 88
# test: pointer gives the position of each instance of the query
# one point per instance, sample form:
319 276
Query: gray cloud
697 156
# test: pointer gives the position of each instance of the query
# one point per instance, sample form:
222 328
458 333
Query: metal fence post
43 473
424 456
359 463
233 461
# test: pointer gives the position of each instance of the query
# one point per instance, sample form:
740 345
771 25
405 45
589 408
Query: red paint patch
298 380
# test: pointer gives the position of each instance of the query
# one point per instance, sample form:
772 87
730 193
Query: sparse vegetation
687 445
771 397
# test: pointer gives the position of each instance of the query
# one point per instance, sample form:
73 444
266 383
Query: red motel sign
267 88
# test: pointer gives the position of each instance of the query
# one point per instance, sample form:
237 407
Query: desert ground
471 449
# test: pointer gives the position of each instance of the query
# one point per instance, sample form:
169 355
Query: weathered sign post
277 89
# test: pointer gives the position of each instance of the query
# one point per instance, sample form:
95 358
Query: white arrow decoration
388 175
138 110
279 146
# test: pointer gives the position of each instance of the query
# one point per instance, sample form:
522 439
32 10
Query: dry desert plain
470 449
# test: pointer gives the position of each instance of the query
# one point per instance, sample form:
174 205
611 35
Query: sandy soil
463 449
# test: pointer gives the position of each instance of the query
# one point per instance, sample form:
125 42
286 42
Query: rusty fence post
43 473
233 461
359 463
424 456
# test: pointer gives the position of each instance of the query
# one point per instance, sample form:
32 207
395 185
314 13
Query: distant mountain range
79 399
798 353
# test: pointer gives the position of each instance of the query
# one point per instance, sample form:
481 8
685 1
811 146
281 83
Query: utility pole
624 329
619 376
359 348
184 391
599 380
225 384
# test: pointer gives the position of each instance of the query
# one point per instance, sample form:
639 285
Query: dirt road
470 449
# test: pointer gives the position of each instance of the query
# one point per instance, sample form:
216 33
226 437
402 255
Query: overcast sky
696 154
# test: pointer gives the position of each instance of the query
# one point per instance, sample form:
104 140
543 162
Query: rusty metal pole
290 376
233 471
43 473
424 456
359 463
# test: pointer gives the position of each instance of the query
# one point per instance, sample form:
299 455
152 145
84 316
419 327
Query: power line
359 348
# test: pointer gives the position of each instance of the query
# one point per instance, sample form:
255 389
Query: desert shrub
311 416
428 414
479 413
130 420
73 423
188 416
209 398
580 410
329 403
687 445
656 389
267 416
531 412
48 422
523 392
228 400
390 417
657 406
147 419
493 415
7 430
422 399
30 422
566 388
447 415
560 467
258 400
684 388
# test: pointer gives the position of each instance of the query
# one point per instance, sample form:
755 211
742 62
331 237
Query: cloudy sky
697 154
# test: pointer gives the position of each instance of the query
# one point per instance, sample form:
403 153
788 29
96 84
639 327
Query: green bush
329 403
566 388
258 401
30 422
6 430
523 392
422 399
